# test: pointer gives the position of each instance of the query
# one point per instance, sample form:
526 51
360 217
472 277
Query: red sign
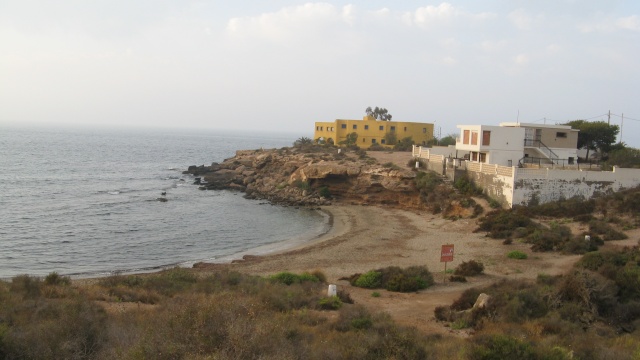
447 253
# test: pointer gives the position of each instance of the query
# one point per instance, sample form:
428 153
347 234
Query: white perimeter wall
546 185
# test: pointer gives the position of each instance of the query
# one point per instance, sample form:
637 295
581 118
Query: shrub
466 299
457 278
303 185
27 286
288 278
330 303
466 186
344 296
324 192
427 181
599 227
369 280
375 294
502 347
502 224
393 278
469 268
55 279
517 255
564 208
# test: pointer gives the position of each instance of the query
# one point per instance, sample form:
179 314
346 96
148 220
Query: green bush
330 303
393 278
457 278
288 278
466 186
517 255
369 280
324 192
427 181
501 224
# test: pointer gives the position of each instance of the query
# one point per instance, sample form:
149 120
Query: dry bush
469 268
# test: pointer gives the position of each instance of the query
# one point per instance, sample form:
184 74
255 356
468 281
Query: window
344 126
366 127
383 141
355 127
561 134
405 128
474 138
363 139
483 157
393 128
486 138
381 127
424 130
474 156
465 137
373 141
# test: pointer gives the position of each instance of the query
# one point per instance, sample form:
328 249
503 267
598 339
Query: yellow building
371 131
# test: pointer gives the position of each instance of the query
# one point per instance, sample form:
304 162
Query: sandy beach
364 238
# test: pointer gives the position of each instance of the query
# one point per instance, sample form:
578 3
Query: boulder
481 301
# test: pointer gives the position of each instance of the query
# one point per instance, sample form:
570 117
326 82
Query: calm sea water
83 202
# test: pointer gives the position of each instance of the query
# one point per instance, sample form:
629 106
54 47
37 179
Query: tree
303 141
447 140
390 138
595 135
406 144
626 157
378 113
352 139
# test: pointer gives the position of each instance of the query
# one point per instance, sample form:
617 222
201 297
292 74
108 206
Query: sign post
446 255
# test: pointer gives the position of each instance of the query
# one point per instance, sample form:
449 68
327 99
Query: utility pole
609 118
621 123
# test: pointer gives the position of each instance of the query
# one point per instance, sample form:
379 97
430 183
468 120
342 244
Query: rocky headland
311 176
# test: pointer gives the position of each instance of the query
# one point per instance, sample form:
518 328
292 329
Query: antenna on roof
518 118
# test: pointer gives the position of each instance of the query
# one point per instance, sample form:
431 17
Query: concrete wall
545 185
495 181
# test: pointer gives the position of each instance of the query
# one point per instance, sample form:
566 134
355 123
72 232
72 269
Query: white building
512 144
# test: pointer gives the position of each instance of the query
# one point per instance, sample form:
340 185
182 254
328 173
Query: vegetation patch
502 224
288 278
393 278
517 255
469 268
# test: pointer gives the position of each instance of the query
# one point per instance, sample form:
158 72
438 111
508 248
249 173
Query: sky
273 65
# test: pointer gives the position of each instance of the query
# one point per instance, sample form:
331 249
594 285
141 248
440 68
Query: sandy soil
364 238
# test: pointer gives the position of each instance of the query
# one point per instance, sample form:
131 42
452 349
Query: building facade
371 131
512 144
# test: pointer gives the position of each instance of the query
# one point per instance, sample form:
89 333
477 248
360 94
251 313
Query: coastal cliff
311 176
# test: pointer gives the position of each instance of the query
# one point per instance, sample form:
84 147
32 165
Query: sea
83 202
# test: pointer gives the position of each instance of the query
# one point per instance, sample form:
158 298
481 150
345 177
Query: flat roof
531 125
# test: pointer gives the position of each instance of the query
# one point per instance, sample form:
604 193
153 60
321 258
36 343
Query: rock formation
310 176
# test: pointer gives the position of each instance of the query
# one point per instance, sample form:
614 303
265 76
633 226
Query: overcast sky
281 65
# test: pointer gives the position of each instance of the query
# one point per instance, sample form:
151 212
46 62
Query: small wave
114 192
